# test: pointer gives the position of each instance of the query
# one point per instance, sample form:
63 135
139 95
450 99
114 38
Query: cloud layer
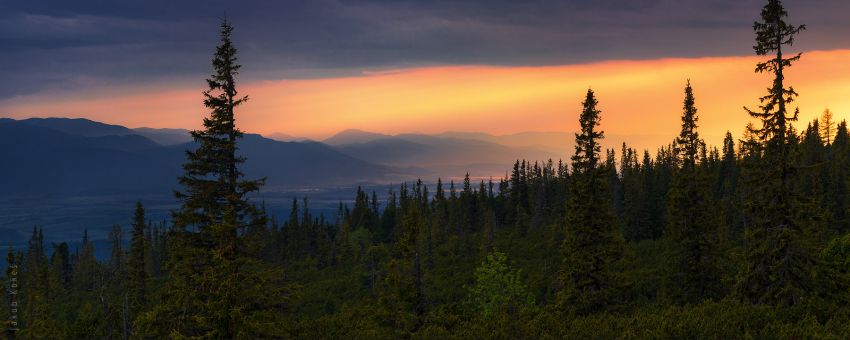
59 46
637 98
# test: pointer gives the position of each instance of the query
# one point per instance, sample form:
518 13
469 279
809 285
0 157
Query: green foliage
88 323
837 253
498 288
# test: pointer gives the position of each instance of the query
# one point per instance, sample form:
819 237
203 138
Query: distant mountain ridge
79 126
559 143
282 137
425 150
76 156
79 155
351 136
434 156
165 136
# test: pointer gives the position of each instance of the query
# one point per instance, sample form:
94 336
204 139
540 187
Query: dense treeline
750 239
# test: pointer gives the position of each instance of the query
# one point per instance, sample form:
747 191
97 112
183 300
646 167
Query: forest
747 240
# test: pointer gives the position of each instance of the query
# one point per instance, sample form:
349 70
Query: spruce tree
136 274
86 268
727 191
117 256
217 287
688 143
778 268
593 242
402 296
839 167
692 222
827 126
60 263
37 318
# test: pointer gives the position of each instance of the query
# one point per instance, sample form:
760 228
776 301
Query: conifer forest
745 240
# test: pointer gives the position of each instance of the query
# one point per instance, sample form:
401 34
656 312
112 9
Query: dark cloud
68 44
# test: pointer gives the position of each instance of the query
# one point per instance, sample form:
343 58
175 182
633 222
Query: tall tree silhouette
692 223
592 239
688 143
401 299
217 288
136 274
827 126
212 180
778 268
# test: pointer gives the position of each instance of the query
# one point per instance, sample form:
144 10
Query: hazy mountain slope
563 143
79 126
469 151
305 163
42 160
165 136
89 128
282 137
443 157
391 150
352 136
560 143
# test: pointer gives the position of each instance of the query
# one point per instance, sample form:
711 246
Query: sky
313 68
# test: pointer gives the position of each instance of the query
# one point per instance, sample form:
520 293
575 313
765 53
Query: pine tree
117 256
136 274
778 268
112 286
634 201
487 229
469 209
727 191
692 223
440 213
343 234
688 143
38 320
293 236
522 223
212 179
614 183
402 295
217 287
86 268
809 158
61 263
837 192
827 126
592 241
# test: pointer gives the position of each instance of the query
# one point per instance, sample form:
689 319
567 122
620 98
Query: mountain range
69 174
453 153
437 155
80 156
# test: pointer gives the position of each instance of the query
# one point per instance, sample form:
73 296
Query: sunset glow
637 97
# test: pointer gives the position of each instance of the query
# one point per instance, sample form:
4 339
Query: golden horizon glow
636 98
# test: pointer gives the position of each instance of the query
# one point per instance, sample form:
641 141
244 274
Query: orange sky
636 97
